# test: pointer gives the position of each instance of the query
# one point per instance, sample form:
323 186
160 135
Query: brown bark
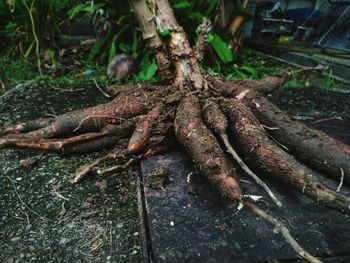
202 41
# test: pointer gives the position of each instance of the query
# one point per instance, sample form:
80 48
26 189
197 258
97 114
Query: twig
94 116
20 199
120 167
277 142
82 171
63 212
36 39
283 230
318 68
327 119
248 171
269 128
56 193
341 180
101 90
3 87
27 216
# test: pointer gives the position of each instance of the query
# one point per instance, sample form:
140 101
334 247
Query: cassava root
141 122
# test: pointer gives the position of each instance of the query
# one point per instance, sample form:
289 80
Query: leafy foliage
115 26
221 48
16 27
62 25
148 69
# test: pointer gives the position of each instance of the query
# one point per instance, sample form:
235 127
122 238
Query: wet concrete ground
43 218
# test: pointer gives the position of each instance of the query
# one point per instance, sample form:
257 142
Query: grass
250 65
15 70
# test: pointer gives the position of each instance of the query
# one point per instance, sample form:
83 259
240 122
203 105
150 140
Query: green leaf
135 41
86 8
182 5
125 48
29 49
221 48
51 55
148 69
148 74
112 50
211 7
241 74
151 71
210 38
250 70
96 48
164 33
145 62
196 16
240 8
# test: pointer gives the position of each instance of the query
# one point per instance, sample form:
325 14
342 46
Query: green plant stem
36 39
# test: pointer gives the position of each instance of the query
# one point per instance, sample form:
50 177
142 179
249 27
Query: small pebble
15 239
63 241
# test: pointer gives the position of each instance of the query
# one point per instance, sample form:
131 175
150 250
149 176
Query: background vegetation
72 41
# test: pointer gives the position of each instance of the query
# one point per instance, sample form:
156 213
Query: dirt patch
312 102
46 219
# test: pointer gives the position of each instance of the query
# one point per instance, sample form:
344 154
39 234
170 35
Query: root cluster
231 116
